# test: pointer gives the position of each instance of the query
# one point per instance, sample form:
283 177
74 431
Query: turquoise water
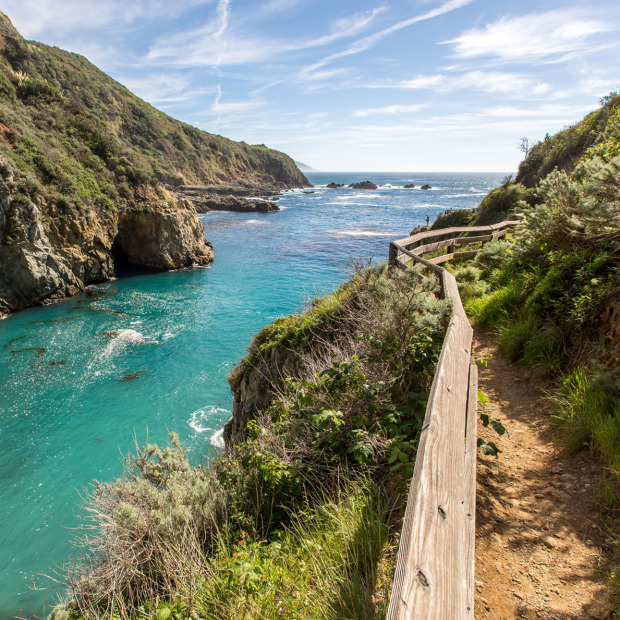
66 418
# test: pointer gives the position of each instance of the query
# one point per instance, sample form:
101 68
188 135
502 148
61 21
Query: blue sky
367 85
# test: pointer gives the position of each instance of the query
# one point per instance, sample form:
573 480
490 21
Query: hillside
561 151
84 167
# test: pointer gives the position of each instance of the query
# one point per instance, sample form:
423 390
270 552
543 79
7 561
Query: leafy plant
488 447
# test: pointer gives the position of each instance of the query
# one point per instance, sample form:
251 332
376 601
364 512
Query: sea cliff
89 176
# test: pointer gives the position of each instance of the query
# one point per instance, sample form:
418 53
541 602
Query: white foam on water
217 439
253 222
357 233
202 419
465 195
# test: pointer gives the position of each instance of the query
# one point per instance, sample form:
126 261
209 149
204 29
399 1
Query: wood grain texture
455 255
434 576
431 574
419 259
469 494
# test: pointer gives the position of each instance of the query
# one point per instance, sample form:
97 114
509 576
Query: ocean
71 414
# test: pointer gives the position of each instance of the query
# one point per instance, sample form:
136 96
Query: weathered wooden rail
434 577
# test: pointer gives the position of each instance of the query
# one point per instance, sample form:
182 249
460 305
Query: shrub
242 535
589 413
492 255
457 218
503 203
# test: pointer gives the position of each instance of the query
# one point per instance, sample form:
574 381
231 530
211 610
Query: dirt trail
539 537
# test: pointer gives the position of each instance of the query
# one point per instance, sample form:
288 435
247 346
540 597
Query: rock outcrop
84 167
426 187
206 198
254 388
363 185
50 251
333 185
409 186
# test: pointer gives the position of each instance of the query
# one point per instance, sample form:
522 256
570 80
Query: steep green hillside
83 169
74 132
552 292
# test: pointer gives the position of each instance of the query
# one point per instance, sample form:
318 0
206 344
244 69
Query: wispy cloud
35 16
368 42
159 88
547 111
233 107
390 110
222 10
486 81
550 36
215 44
322 75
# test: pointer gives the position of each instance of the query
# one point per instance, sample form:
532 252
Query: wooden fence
434 577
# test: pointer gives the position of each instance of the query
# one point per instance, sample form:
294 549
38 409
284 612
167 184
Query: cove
69 414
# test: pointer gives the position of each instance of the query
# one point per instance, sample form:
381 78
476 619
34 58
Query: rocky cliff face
255 386
48 251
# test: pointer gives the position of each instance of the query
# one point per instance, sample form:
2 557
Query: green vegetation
596 134
564 150
71 136
298 519
552 293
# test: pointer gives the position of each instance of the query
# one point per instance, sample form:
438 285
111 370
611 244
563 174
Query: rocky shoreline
234 197
49 251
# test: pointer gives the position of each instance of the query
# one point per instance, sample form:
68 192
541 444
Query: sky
353 85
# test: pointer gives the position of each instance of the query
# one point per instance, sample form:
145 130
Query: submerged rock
131 376
128 335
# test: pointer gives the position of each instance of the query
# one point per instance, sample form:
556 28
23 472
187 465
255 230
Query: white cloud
390 109
549 111
486 81
222 10
164 88
322 75
553 35
234 107
33 17
368 42
217 44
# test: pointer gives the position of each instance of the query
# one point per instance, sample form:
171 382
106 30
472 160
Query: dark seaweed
40 350
71 318
10 342
104 293
93 309
132 375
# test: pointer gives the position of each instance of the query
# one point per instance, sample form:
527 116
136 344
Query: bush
492 255
503 203
244 533
589 413
457 218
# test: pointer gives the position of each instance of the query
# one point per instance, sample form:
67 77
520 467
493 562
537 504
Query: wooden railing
434 577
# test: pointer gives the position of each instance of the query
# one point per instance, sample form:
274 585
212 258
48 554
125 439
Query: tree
525 145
